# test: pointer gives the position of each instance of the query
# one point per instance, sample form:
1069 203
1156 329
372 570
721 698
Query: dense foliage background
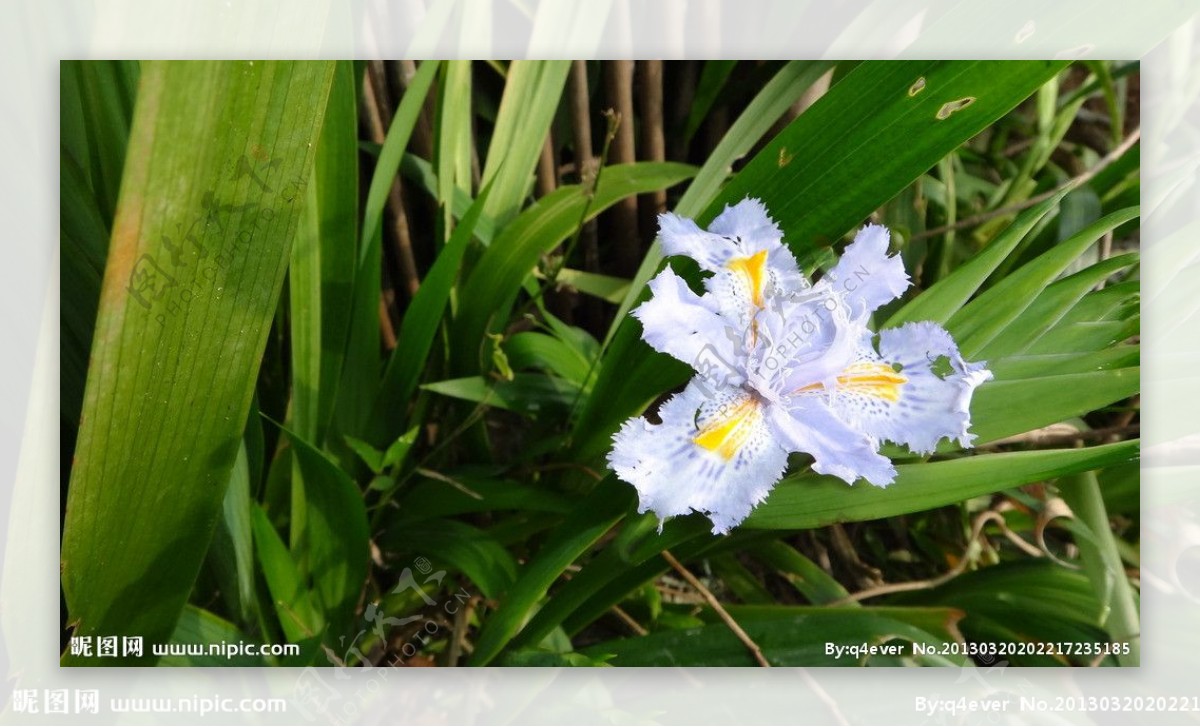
344 345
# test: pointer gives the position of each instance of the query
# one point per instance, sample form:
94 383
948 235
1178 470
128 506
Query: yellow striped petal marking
753 270
868 377
726 434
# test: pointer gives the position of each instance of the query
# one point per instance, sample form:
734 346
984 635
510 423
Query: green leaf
454 125
817 586
96 104
335 533
788 636
400 448
435 499
605 287
370 456
419 326
531 93
530 349
359 390
1051 305
198 631
810 501
324 258
593 516
611 575
949 294
512 256
527 393
392 152
984 318
1029 366
1031 600
712 80
1004 408
232 551
487 565
873 133
1102 563
210 200
296 607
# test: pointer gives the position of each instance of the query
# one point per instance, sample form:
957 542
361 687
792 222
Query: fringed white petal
807 424
679 322
914 392
865 275
713 453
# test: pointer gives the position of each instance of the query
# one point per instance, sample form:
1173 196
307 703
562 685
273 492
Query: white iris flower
784 365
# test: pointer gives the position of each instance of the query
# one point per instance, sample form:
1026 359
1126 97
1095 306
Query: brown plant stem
618 78
716 606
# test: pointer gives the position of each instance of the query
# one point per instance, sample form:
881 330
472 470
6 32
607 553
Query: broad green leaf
788 636
873 133
810 501
197 633
592 517
1084 336
324 257
219 156
531 93
1004 408
1029 366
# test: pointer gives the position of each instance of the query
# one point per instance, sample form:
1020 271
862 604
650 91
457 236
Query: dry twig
712 601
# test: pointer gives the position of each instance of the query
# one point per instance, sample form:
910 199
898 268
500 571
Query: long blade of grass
531 93
360 380
323 263
421 321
